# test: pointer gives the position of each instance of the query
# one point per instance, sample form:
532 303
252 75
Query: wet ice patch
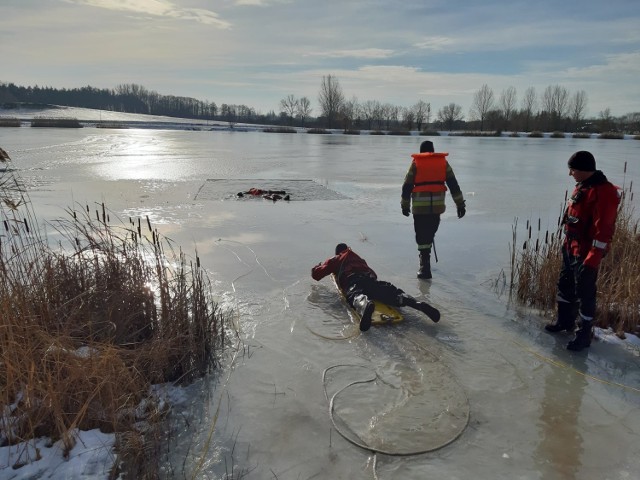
228 189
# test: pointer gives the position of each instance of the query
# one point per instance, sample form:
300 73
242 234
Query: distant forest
129 98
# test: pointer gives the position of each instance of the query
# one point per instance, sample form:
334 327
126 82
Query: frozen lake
521 405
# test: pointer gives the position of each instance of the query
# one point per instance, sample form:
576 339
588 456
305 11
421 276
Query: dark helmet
341 247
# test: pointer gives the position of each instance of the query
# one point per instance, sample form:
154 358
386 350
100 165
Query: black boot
583 337
566 320
425 265
364 307
424 307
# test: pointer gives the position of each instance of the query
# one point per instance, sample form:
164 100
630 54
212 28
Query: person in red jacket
361 286
589 223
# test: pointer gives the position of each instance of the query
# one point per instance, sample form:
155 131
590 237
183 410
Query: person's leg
391 295
409 301
425 227
567 301
358 298
586 291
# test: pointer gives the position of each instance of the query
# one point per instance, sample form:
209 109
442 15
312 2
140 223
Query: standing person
589 223
424 191
361 286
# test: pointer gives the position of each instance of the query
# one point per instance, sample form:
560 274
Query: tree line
128 98
554 109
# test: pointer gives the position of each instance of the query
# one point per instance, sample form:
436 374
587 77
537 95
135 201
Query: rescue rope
359 442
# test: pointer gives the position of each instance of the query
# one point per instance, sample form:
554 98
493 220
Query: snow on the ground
92 457
92 116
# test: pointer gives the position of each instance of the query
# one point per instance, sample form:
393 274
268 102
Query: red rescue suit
342 266
590 217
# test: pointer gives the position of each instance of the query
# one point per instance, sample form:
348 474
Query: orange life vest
431 172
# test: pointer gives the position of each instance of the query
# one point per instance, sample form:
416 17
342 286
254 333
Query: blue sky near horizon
256 52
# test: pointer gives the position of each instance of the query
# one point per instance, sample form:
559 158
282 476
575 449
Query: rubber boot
424 307
425 265
566 320
364 307
583 337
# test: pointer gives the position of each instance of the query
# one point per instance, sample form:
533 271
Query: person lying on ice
361 286
268 194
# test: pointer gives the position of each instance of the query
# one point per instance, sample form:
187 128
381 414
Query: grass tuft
535 266
56 122
90 323
9 122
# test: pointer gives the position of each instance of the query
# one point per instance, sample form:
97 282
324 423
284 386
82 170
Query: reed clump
280 130
9 122
399 132
476 133
56 122
91 320
112 125
611 135
535 267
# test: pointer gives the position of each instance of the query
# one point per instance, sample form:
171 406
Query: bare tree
408 117
229 113
349 112
450 114
422 112
330 98
578 107
529 102
555 101
508 105
606 120
369 110
289 105
390 114
631 121
482 104
304 109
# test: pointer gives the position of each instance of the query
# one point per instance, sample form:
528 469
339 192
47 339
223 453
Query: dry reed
536 266
91 320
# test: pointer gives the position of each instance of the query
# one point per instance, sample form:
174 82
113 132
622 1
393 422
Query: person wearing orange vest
423 194
589 223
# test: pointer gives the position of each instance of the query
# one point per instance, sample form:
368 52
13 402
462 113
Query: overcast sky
256 52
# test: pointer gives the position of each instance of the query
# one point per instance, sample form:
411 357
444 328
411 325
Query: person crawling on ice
361 286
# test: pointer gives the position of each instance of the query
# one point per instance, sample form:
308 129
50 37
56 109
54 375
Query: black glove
461 210
405 211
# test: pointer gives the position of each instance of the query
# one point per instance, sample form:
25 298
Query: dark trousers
426 227
577 284
374 289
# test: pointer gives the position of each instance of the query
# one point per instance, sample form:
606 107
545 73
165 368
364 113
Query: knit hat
582 161
341 247
426 146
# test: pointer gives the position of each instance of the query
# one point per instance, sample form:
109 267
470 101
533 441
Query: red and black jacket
342 266
590 219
